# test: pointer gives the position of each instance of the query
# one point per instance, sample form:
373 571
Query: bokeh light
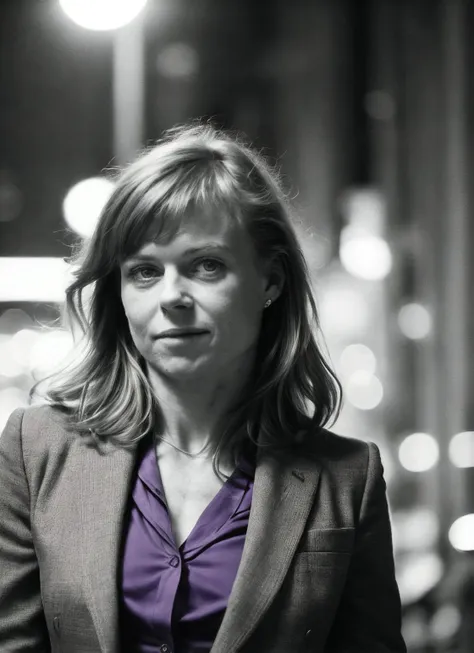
84 202
33 279
50 350
379 105
343 312
417 574
364 209
33 352
461 449
414 321
177 60
418 452
415 628
356 357
364 390
21 345
101 15
14 319
364 255
445 622
416 529
461 533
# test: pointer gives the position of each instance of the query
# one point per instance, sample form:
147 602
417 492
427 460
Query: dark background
345 97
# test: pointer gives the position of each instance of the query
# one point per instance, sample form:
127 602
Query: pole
128 90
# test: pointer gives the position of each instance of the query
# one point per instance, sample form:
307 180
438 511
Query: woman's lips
182 338
181 333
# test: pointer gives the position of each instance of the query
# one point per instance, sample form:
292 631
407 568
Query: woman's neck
194 414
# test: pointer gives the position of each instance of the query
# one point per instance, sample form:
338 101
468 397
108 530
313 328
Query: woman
178 492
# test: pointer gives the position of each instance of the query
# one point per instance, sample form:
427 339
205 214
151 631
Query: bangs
157 209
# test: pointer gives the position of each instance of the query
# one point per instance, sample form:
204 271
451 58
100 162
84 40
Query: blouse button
174 562
165 649
308 633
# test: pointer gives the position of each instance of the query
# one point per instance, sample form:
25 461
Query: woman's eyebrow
142 256
207 247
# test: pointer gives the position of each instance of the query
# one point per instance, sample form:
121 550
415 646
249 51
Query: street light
128 64
102 15
84 202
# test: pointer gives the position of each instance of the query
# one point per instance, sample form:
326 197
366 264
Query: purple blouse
173 599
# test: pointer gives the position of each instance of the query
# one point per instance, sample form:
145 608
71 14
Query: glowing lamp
102 15
461 533
84 202
418 452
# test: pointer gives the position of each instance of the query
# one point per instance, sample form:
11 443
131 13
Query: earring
267 303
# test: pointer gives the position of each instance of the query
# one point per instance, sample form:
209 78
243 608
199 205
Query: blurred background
366 107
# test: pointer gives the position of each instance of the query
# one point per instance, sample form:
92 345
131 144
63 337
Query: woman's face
204 279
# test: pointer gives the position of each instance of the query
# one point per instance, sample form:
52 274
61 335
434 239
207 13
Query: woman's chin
180 369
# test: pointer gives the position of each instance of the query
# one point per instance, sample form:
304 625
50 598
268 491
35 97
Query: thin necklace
160 438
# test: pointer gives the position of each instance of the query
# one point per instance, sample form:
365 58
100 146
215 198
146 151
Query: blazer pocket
329 540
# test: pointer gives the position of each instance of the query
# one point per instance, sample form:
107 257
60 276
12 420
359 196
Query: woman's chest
188 494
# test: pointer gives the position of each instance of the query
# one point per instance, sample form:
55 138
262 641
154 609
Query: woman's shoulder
45 414
338 444
334 450
344 464
40 426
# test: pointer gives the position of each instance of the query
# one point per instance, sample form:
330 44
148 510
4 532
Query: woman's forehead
198 231
195 223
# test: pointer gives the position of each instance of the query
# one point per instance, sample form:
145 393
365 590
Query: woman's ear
275 280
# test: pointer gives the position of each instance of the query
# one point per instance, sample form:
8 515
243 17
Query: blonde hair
107 392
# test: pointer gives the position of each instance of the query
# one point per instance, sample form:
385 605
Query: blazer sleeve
368 619
22 624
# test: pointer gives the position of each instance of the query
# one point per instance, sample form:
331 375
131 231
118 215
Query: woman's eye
209 265
142 274
205 268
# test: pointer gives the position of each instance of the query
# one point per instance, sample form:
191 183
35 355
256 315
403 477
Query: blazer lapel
283 495
105 487
282 498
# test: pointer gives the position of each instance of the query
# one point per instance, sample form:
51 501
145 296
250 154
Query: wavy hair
106 391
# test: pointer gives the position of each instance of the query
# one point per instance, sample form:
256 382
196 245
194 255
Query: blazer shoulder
43 425
342 456
335 446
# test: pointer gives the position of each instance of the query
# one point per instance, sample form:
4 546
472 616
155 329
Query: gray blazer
317 571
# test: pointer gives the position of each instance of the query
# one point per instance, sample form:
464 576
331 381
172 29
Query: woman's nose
173 290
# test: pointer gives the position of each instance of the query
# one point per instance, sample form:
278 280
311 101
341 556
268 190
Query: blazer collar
283 495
